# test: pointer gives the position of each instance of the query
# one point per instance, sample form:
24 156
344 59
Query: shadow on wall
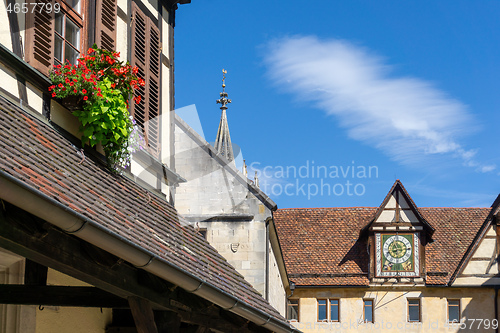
479 314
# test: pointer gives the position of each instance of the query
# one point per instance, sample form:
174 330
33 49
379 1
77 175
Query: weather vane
223 95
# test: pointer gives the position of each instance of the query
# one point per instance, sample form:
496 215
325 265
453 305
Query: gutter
20 194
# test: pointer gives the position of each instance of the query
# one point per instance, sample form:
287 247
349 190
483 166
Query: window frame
459 306
40 33
290 305
419 306
330 310
328 304
77 19
372 310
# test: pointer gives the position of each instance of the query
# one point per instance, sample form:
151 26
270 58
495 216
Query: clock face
397 255
397 249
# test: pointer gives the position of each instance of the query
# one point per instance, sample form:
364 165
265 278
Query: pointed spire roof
223 143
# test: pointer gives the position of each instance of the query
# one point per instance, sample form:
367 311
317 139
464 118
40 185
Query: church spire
223 142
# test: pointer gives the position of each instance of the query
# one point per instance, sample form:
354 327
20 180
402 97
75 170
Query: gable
397 209
480 266
398 212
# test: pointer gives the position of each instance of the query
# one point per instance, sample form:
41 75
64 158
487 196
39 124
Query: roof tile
38 155
321 246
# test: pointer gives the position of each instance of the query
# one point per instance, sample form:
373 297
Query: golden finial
223 100
224 72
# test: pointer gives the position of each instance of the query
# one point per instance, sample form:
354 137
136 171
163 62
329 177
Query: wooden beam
143 315
168 322
22 233
37 240
35 274
59 296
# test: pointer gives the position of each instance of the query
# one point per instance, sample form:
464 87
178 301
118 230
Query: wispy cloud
408 118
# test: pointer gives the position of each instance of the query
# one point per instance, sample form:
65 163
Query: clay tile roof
36 154
456 229
321 246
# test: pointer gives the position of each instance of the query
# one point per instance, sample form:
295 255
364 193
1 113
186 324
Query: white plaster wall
5 37
166 116
152 6
8 79
121 31
35 97
140 172
277 295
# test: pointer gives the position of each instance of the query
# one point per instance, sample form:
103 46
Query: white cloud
406 117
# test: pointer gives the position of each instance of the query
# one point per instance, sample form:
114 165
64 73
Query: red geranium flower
90 51
84 91
60 85
53 94
85 98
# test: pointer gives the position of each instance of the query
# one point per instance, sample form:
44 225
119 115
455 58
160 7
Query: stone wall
218 198
391 309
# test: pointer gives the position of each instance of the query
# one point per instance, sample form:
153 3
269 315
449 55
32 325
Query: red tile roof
322 246
36 154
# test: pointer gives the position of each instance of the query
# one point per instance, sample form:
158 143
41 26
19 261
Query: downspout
37 203
267 260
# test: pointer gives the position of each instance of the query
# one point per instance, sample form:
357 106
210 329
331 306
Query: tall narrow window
334 310
292 309
67 36
54 32
322 310
368 310
454 310
413 309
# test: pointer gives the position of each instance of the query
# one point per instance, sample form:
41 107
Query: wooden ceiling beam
59 296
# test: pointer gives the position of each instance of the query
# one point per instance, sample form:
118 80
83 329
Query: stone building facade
233 212
392 268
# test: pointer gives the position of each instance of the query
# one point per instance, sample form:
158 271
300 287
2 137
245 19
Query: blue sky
390 89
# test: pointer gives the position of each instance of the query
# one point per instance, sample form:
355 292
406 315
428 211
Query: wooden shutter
153 83
106 13
40 37
146 56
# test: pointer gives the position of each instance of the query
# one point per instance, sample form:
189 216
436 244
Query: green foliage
104 85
